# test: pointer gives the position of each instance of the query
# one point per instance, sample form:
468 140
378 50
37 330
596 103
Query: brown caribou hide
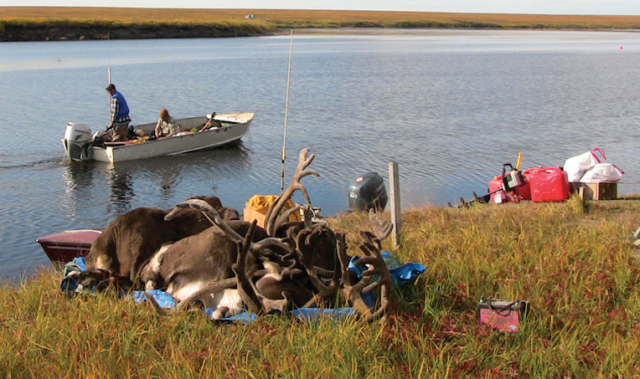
195 261
130 240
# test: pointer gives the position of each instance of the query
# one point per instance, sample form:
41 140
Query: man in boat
119 115
166 126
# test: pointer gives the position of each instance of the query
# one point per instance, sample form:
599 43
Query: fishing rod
109 65
286 115
109 78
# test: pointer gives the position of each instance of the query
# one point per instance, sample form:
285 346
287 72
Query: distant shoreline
87 23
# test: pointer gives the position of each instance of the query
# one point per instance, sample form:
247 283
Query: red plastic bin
548 184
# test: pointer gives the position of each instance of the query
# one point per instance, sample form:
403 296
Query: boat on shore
79 142
64 246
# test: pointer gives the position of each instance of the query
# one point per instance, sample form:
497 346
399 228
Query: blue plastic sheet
312 314
80 262
163 299
400 275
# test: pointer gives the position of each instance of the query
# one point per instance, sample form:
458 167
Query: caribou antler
245 287
372 247
306 242
381 228
212 215
353 292
272 221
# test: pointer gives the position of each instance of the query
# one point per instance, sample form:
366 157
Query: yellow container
257 206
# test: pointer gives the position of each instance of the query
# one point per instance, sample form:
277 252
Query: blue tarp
400 275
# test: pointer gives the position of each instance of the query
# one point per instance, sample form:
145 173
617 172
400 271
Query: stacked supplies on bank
590 173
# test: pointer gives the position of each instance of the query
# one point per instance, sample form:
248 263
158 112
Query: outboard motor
77 141
368 192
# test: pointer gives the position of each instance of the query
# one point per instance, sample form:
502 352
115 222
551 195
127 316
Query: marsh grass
40 23
317 18
573 262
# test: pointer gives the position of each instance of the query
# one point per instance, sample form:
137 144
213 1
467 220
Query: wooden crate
596 191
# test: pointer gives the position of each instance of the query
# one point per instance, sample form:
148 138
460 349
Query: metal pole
394 183
286 116
109 65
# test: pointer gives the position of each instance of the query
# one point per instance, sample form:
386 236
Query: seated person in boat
211 123
166 126
119 116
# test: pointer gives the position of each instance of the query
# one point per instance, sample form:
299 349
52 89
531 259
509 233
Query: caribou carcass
188 267
131 239
236 265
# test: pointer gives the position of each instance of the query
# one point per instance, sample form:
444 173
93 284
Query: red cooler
548 184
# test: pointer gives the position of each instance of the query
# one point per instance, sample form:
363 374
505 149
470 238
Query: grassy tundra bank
73 23
571 261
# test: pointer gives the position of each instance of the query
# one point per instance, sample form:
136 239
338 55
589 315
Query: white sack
602 173
576 166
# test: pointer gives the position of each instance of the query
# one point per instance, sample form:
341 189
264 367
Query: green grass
573 262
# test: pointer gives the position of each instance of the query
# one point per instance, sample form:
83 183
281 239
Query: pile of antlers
289 269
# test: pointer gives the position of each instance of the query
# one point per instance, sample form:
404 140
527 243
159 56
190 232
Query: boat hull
233 127
65 246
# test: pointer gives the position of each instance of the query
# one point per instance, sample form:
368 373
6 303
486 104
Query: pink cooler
548 184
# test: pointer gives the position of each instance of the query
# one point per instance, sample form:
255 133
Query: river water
450 107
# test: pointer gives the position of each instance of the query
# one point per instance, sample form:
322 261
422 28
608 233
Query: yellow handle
519 160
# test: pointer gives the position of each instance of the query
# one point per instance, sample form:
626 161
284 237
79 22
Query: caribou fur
128 242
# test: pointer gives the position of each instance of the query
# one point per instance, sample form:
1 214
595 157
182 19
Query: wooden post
394 183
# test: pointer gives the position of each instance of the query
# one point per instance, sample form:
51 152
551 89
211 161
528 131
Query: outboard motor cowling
77 141
368 192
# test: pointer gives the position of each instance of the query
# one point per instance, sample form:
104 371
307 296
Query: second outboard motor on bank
368 192
77 141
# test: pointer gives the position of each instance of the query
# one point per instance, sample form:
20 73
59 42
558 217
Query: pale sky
571 7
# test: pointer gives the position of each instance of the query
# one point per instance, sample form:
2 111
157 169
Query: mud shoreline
32 32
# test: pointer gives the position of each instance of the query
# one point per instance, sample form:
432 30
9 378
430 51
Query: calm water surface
450 107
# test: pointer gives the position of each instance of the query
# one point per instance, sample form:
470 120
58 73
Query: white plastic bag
602 173
576 166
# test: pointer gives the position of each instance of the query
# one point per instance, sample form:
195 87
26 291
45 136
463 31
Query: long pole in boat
286 115
109 66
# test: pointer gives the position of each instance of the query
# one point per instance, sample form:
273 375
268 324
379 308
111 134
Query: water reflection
156 182
169 180
122 192
78 176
